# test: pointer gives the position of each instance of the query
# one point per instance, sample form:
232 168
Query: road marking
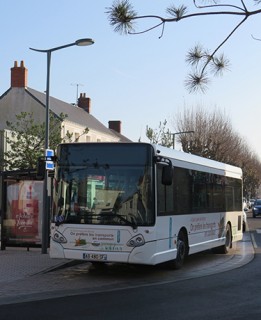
258 230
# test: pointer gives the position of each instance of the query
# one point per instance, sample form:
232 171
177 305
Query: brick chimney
84 102
18 76
115 125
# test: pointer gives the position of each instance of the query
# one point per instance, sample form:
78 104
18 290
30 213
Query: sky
137 79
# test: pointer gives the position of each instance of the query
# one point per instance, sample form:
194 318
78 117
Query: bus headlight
136 241
58 237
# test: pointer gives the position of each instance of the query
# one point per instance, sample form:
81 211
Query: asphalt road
233 294
229 295
254 225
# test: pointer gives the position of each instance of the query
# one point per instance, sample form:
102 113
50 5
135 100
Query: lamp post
174 134
46 204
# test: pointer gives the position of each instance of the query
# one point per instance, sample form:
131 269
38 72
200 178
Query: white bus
142 204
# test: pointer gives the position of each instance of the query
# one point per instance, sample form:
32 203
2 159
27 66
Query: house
20 98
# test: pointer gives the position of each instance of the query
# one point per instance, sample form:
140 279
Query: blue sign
49 165
49 154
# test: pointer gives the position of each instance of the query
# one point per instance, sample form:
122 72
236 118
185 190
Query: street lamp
46 206
174 134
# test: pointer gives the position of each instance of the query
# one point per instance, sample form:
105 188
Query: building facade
21 98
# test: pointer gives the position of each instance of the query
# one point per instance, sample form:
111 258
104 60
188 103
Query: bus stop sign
49 164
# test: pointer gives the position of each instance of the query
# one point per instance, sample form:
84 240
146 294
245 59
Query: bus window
164 192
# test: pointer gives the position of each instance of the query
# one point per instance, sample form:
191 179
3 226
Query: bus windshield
93 186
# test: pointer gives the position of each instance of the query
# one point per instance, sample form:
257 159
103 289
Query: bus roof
197 160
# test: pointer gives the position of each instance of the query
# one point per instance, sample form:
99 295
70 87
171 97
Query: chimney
84 102
18 76
115 125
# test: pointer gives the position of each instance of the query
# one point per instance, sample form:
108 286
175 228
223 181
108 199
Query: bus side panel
211 233
204 231
236 219
149 254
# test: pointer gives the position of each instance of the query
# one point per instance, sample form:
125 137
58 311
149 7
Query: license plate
95 256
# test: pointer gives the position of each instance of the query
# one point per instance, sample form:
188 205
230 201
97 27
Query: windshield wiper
131 223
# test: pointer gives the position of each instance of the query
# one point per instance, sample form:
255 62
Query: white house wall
92 135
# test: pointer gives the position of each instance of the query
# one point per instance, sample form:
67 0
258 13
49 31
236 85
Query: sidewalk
18 263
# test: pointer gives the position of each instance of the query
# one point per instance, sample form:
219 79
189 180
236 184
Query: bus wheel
228 243
182 249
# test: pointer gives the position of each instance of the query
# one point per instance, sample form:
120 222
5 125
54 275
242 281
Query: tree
161 136
204 62
251 167
27 140
215 138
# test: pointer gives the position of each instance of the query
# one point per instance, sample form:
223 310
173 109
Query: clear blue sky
136 79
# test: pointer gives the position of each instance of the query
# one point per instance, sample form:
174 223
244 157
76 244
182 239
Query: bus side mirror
167 175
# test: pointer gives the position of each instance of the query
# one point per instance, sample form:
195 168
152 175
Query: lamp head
84 42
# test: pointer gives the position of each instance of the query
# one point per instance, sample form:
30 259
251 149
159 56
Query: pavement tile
18 263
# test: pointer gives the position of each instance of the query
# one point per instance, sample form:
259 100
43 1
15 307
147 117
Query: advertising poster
24 212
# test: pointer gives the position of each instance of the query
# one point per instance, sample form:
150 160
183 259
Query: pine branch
123 17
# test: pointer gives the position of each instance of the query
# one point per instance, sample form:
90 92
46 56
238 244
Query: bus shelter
21 208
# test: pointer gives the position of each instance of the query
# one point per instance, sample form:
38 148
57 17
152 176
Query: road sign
49 164
49 153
